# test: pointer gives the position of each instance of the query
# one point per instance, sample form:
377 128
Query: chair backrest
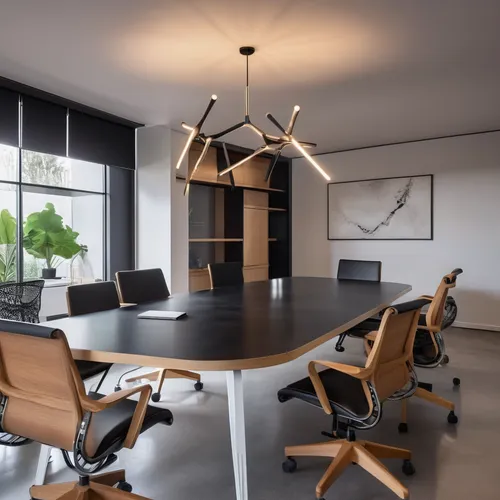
92 297
434 315
21 301
40 389
144 285
225 274
393 348
365 270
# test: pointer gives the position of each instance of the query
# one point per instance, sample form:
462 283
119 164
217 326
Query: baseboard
476 326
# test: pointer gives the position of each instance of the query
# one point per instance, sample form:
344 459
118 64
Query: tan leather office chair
429 349
353 395
139 287
42 397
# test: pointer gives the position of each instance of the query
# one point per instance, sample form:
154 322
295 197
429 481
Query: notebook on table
171 315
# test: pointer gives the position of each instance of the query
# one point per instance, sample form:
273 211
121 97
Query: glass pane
9 157
50 170
8 232
63 234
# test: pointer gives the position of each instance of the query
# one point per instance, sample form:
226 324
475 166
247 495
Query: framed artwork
393 208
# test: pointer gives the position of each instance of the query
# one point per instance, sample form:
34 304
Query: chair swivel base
101 487
363 453
160 375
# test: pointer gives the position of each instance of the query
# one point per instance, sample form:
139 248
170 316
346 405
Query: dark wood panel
254 325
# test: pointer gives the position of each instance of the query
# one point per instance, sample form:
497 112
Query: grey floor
192 459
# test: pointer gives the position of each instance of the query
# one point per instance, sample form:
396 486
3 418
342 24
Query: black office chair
86 299
354 397
361 270
42 397
143 285
21 301
225 274
139 287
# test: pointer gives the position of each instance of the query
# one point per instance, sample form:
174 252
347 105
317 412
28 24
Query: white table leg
43 463
234 381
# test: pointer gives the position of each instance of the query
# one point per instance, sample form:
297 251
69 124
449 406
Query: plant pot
49 274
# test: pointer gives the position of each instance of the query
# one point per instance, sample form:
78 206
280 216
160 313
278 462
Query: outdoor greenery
45 237
7 246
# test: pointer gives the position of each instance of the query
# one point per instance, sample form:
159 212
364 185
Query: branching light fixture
272 144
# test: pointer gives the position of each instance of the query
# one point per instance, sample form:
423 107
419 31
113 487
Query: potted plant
47 238
7 246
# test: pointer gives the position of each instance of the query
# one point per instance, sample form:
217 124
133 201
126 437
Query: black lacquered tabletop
257 324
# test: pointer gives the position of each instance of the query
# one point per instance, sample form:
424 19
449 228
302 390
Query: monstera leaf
45 237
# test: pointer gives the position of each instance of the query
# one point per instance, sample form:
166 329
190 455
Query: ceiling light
271 142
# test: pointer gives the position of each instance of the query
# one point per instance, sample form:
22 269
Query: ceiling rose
272 144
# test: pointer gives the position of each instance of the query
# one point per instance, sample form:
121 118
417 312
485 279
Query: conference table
231 329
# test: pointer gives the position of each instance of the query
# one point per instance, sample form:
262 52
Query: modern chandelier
272 144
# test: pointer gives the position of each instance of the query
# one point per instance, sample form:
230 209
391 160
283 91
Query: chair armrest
97 405
140 410
428 297
372 335
353 371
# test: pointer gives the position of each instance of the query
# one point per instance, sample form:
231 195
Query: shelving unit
254 212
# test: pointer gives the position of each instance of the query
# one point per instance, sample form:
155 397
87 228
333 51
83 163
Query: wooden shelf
270 209
215 240
226 185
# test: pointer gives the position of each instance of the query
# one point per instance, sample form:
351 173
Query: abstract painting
396 208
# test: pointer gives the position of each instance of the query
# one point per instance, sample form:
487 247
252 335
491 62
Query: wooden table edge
225 365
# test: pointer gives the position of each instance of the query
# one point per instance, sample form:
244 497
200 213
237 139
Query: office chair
148 285
429 348
354 396
363 270
21 301
42 397
225 274
86 299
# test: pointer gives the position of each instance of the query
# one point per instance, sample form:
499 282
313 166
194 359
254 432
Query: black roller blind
44 126
9 117
101 141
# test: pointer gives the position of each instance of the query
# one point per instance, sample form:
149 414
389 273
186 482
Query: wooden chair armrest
428 297
353 371
372 335
97 405
110 400
432 328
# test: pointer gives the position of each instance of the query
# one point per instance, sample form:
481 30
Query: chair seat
89 369
372 324
345 393
108 428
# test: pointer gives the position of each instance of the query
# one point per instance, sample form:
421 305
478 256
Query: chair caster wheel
445 359
408 468
156 397
198 386
403 428
452 418
117 388
339 348
456 382
124 486
289 465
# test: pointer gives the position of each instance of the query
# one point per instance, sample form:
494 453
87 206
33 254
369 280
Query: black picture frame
431 176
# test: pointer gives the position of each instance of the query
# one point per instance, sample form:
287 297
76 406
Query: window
61 204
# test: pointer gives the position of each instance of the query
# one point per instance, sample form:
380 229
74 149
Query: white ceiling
363 71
